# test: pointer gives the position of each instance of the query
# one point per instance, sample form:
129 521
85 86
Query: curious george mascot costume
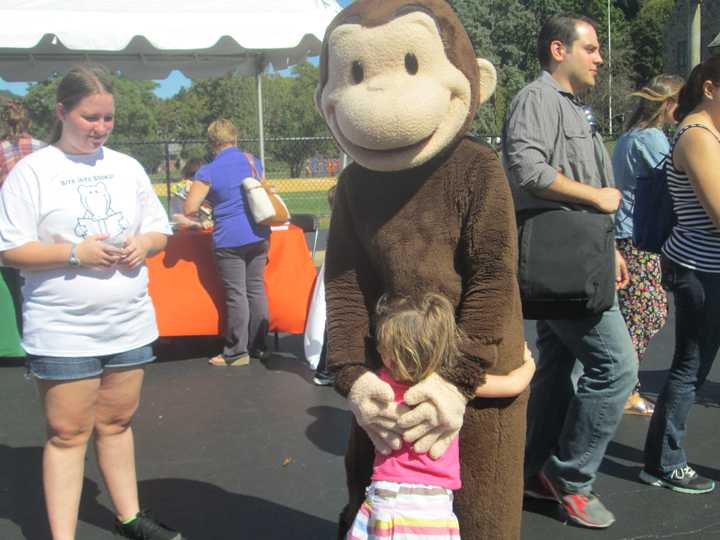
422 208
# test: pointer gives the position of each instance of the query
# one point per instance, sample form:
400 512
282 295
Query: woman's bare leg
70 413
118 399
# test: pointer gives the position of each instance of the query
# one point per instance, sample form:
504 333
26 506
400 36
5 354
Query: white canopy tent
146 39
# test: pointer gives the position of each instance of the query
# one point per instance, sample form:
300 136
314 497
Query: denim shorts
68 368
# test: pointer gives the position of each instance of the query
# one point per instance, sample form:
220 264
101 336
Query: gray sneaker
584 510
682 479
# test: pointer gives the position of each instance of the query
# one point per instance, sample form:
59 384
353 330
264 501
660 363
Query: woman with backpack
640 150
691 270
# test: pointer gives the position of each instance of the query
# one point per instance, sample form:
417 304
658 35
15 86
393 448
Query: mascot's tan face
393 99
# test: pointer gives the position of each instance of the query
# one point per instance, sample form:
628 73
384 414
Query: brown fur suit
423 208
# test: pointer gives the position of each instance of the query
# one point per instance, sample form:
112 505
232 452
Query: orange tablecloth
289 279
188 294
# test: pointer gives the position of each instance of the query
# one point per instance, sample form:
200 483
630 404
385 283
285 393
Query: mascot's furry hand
435 416
372 401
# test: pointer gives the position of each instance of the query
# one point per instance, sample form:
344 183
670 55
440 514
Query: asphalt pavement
256 452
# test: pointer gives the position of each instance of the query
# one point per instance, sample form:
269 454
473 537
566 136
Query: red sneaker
584 510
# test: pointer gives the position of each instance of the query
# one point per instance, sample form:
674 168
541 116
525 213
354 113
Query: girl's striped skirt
393 511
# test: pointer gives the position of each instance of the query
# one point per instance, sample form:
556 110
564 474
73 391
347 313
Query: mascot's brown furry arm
422 208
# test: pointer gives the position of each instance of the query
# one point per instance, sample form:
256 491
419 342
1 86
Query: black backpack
653 214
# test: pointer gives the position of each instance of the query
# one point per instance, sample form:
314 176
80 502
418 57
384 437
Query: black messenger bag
566 263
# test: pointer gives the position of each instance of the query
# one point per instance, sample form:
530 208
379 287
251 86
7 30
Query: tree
183 116
647 32
231 96
136 107
5 96
489 25
505 32
288 108
40 104
290 113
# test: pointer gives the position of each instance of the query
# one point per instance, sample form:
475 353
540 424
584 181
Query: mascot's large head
399 81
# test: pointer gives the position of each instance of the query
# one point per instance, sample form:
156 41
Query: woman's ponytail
691 94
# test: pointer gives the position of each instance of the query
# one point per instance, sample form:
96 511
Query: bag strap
685 128
663 162
682 131
253 164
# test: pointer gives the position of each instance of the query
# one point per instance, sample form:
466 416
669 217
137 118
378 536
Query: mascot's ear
488 80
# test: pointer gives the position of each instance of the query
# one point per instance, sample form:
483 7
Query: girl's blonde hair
221 133
418 336
653 96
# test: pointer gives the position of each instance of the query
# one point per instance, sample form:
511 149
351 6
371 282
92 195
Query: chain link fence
302 169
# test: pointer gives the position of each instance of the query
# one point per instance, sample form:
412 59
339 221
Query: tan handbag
266 206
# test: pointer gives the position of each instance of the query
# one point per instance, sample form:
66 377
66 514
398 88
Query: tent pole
261 131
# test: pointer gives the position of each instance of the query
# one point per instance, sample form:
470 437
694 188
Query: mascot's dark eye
411 63
358 74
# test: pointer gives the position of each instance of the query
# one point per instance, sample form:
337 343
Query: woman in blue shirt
241 245
643 302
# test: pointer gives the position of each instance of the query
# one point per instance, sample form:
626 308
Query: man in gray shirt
553 157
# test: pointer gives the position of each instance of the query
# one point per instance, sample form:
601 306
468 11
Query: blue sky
166 87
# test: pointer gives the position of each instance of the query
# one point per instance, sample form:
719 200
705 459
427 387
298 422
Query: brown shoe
220 360
638 405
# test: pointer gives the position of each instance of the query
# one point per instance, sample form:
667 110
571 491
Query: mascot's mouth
332 119
384 151
398 149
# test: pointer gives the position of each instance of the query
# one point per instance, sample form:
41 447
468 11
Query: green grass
307 202
301 202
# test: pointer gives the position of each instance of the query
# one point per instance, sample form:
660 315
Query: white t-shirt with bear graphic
53 197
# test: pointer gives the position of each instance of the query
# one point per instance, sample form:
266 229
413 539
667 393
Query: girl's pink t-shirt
407 466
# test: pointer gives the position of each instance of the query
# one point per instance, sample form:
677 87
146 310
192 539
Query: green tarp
9 332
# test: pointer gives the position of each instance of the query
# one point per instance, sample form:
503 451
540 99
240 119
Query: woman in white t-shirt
79 220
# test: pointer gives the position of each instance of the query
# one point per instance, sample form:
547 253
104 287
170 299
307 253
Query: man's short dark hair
561 28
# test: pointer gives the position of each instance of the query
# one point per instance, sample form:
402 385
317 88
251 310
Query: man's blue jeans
697 339
570 425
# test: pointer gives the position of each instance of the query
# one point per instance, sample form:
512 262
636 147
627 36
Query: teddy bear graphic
99 217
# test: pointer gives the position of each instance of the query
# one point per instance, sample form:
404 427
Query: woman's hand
136 250
195 197
94 252
622 276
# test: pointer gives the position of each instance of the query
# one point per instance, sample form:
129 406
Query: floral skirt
643 302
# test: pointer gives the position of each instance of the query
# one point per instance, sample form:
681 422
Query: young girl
410 496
